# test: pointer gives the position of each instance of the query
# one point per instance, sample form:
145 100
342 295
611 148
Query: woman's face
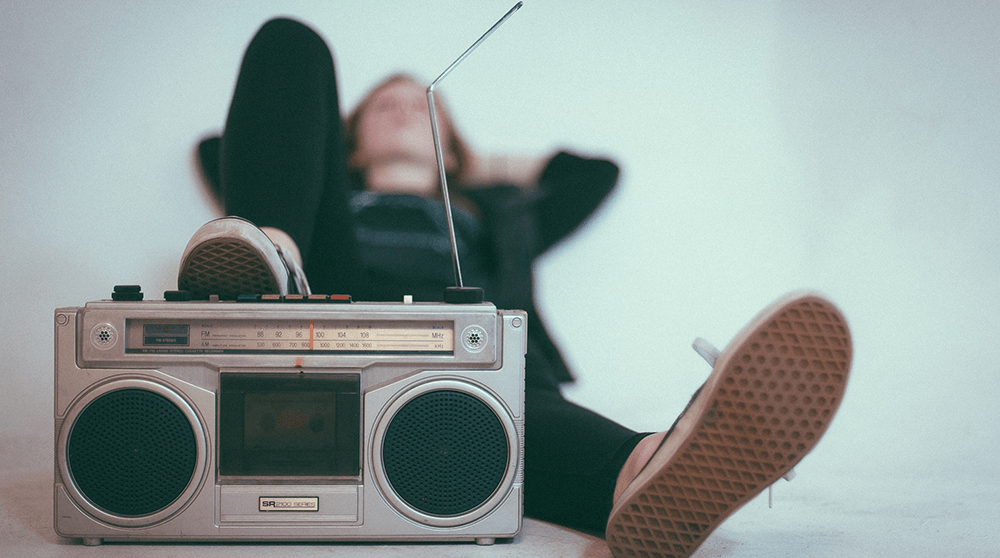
395 126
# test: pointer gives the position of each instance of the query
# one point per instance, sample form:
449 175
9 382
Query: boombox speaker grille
445 453
131 452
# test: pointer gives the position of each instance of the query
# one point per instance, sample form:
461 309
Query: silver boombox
288 421
269 419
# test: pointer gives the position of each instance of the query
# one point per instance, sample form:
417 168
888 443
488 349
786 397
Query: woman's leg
572 460
282 160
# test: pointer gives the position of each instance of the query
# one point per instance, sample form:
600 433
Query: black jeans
283 164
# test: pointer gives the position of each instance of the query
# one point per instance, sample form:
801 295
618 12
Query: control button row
322 298
134 293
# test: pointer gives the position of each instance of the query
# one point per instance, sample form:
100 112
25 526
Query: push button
127 293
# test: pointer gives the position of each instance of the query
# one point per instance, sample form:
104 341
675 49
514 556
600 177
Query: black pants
282 164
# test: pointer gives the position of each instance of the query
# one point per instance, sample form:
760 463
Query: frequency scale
261 335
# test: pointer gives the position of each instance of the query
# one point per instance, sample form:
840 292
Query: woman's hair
453 143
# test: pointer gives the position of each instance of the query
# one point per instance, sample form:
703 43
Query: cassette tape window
277 425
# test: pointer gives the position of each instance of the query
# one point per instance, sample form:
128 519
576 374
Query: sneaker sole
771 396
228 263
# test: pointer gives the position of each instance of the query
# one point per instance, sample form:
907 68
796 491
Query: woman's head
392 122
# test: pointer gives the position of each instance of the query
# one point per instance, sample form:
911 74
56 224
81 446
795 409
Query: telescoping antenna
459 294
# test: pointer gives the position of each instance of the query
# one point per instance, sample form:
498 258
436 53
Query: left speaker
132 452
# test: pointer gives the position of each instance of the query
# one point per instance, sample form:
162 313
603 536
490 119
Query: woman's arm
490 170
570 189
560 191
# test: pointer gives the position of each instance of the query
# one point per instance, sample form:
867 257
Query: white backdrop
849 147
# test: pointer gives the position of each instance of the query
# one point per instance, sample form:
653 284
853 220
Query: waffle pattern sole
228 268
771 396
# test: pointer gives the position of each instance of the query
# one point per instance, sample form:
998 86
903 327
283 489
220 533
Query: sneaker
231 256
771 395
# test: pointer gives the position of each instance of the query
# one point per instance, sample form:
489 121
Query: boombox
276 418
314 420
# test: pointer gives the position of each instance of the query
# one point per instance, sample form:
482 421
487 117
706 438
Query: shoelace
708 352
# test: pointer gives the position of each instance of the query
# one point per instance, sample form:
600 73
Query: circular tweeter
446 454
474 338
133 453
104 336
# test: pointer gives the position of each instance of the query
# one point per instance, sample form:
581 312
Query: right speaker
448 451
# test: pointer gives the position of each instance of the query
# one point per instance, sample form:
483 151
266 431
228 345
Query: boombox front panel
151 444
